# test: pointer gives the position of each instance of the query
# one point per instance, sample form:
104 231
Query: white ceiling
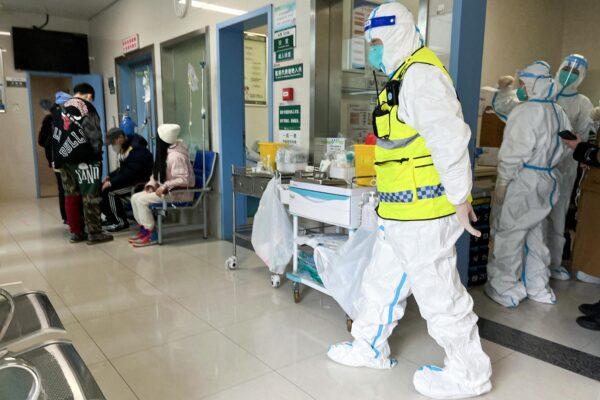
77 9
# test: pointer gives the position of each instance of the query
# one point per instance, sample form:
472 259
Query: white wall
581 35
17 180
518 32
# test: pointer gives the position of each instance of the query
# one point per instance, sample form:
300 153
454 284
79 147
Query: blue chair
204 169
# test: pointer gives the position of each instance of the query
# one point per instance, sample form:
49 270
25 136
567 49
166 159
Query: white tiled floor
553 322
171 322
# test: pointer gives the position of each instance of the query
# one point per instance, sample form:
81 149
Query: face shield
571 72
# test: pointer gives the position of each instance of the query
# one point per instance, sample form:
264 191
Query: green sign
284 39
286 42
289 118
284 55
289 72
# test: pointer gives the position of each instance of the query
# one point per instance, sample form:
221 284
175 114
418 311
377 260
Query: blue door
96 81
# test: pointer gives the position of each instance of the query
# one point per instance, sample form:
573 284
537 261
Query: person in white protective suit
526 190
578 108
418 227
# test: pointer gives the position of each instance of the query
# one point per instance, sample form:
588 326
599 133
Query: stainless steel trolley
247 183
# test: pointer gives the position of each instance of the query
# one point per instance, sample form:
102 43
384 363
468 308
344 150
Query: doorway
44 85
44 88
136 93
184 73
233 103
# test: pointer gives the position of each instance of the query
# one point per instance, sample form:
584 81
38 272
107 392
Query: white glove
596 114
465 214
505 81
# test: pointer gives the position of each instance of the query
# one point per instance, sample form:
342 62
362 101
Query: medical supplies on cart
290 159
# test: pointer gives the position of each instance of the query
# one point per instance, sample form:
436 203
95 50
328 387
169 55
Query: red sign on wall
130 43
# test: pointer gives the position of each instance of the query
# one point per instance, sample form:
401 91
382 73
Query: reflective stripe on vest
408 183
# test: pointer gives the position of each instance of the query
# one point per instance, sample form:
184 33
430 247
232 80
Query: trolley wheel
349 323
296 293
231 263
275 280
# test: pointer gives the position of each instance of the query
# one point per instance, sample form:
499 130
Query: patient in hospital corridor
172 170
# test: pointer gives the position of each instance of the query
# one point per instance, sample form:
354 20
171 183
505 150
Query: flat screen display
42 50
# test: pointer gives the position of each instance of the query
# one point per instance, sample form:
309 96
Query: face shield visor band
378 22
576 62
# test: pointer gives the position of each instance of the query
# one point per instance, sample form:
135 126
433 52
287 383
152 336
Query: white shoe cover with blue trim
547 296
582 276
346 353
560 273
438 383
506 301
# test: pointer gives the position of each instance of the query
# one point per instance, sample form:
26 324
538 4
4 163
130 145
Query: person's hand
596 114
106 184
106 178
161 191
572 144
505 81
466 215
499 193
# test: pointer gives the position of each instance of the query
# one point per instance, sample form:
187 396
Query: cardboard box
492 129
586 249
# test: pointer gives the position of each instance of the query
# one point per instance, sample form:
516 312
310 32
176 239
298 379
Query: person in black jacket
584 152
135 167
77 152
45 141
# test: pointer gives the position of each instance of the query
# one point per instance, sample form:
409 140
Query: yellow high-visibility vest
408 183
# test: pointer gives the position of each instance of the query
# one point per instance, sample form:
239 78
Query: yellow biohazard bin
364 163
268 151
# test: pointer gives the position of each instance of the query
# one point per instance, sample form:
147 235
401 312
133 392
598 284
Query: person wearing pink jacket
172 170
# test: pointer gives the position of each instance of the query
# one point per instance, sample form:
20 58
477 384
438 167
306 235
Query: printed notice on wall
284 16
289 138
255 69
359 121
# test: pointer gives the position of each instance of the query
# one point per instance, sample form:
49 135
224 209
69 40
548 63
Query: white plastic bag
342 270
272 235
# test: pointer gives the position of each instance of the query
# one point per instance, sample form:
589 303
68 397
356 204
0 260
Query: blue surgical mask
522 94
567 78
376 56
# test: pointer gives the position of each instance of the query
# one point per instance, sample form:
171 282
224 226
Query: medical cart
253 184
331 205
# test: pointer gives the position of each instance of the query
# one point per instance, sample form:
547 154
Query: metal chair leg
159 226
204 217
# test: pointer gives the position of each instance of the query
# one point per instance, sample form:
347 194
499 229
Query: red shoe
138 236
150 239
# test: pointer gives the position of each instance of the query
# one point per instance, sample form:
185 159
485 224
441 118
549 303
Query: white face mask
116 148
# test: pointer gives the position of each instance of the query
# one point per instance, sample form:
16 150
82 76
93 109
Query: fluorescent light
4 33
213 7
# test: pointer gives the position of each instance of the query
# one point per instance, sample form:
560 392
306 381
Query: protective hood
538 81
394 25
571 62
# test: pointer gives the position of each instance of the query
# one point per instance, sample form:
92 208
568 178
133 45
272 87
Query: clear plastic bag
272 234
342 270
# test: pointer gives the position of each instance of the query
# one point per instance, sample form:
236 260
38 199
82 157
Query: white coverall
419 257
578 108
530 150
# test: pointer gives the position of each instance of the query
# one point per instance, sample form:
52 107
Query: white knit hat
169 133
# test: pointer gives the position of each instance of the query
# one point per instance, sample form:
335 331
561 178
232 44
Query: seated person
172 170
135 164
